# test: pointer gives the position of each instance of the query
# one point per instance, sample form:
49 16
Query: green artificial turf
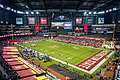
67 52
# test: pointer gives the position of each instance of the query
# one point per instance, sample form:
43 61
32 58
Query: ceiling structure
62 5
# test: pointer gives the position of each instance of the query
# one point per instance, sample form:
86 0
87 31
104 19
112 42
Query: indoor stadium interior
59 39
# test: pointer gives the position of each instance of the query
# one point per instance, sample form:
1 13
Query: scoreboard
67 25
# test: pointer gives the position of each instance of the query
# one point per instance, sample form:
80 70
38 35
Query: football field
70 53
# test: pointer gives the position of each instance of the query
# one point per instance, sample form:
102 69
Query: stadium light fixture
94 12
20 12
110 10
14 11
85 13
6 22
118 21
101 12
32 12
27 12
1 6
114 9
90 12
1 21
107 11
37 12
8 8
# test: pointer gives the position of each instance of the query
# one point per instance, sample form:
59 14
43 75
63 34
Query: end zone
90 64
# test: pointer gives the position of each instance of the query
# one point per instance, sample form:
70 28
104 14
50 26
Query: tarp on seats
10 60
14 63
9 56
20 67
29 78
31 66
10 53
25 73
6 49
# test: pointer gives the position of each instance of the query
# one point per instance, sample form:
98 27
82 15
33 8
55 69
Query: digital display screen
78 20
43 20
100 20
57 25
90 20
19 21
31 20
61 25
67 25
